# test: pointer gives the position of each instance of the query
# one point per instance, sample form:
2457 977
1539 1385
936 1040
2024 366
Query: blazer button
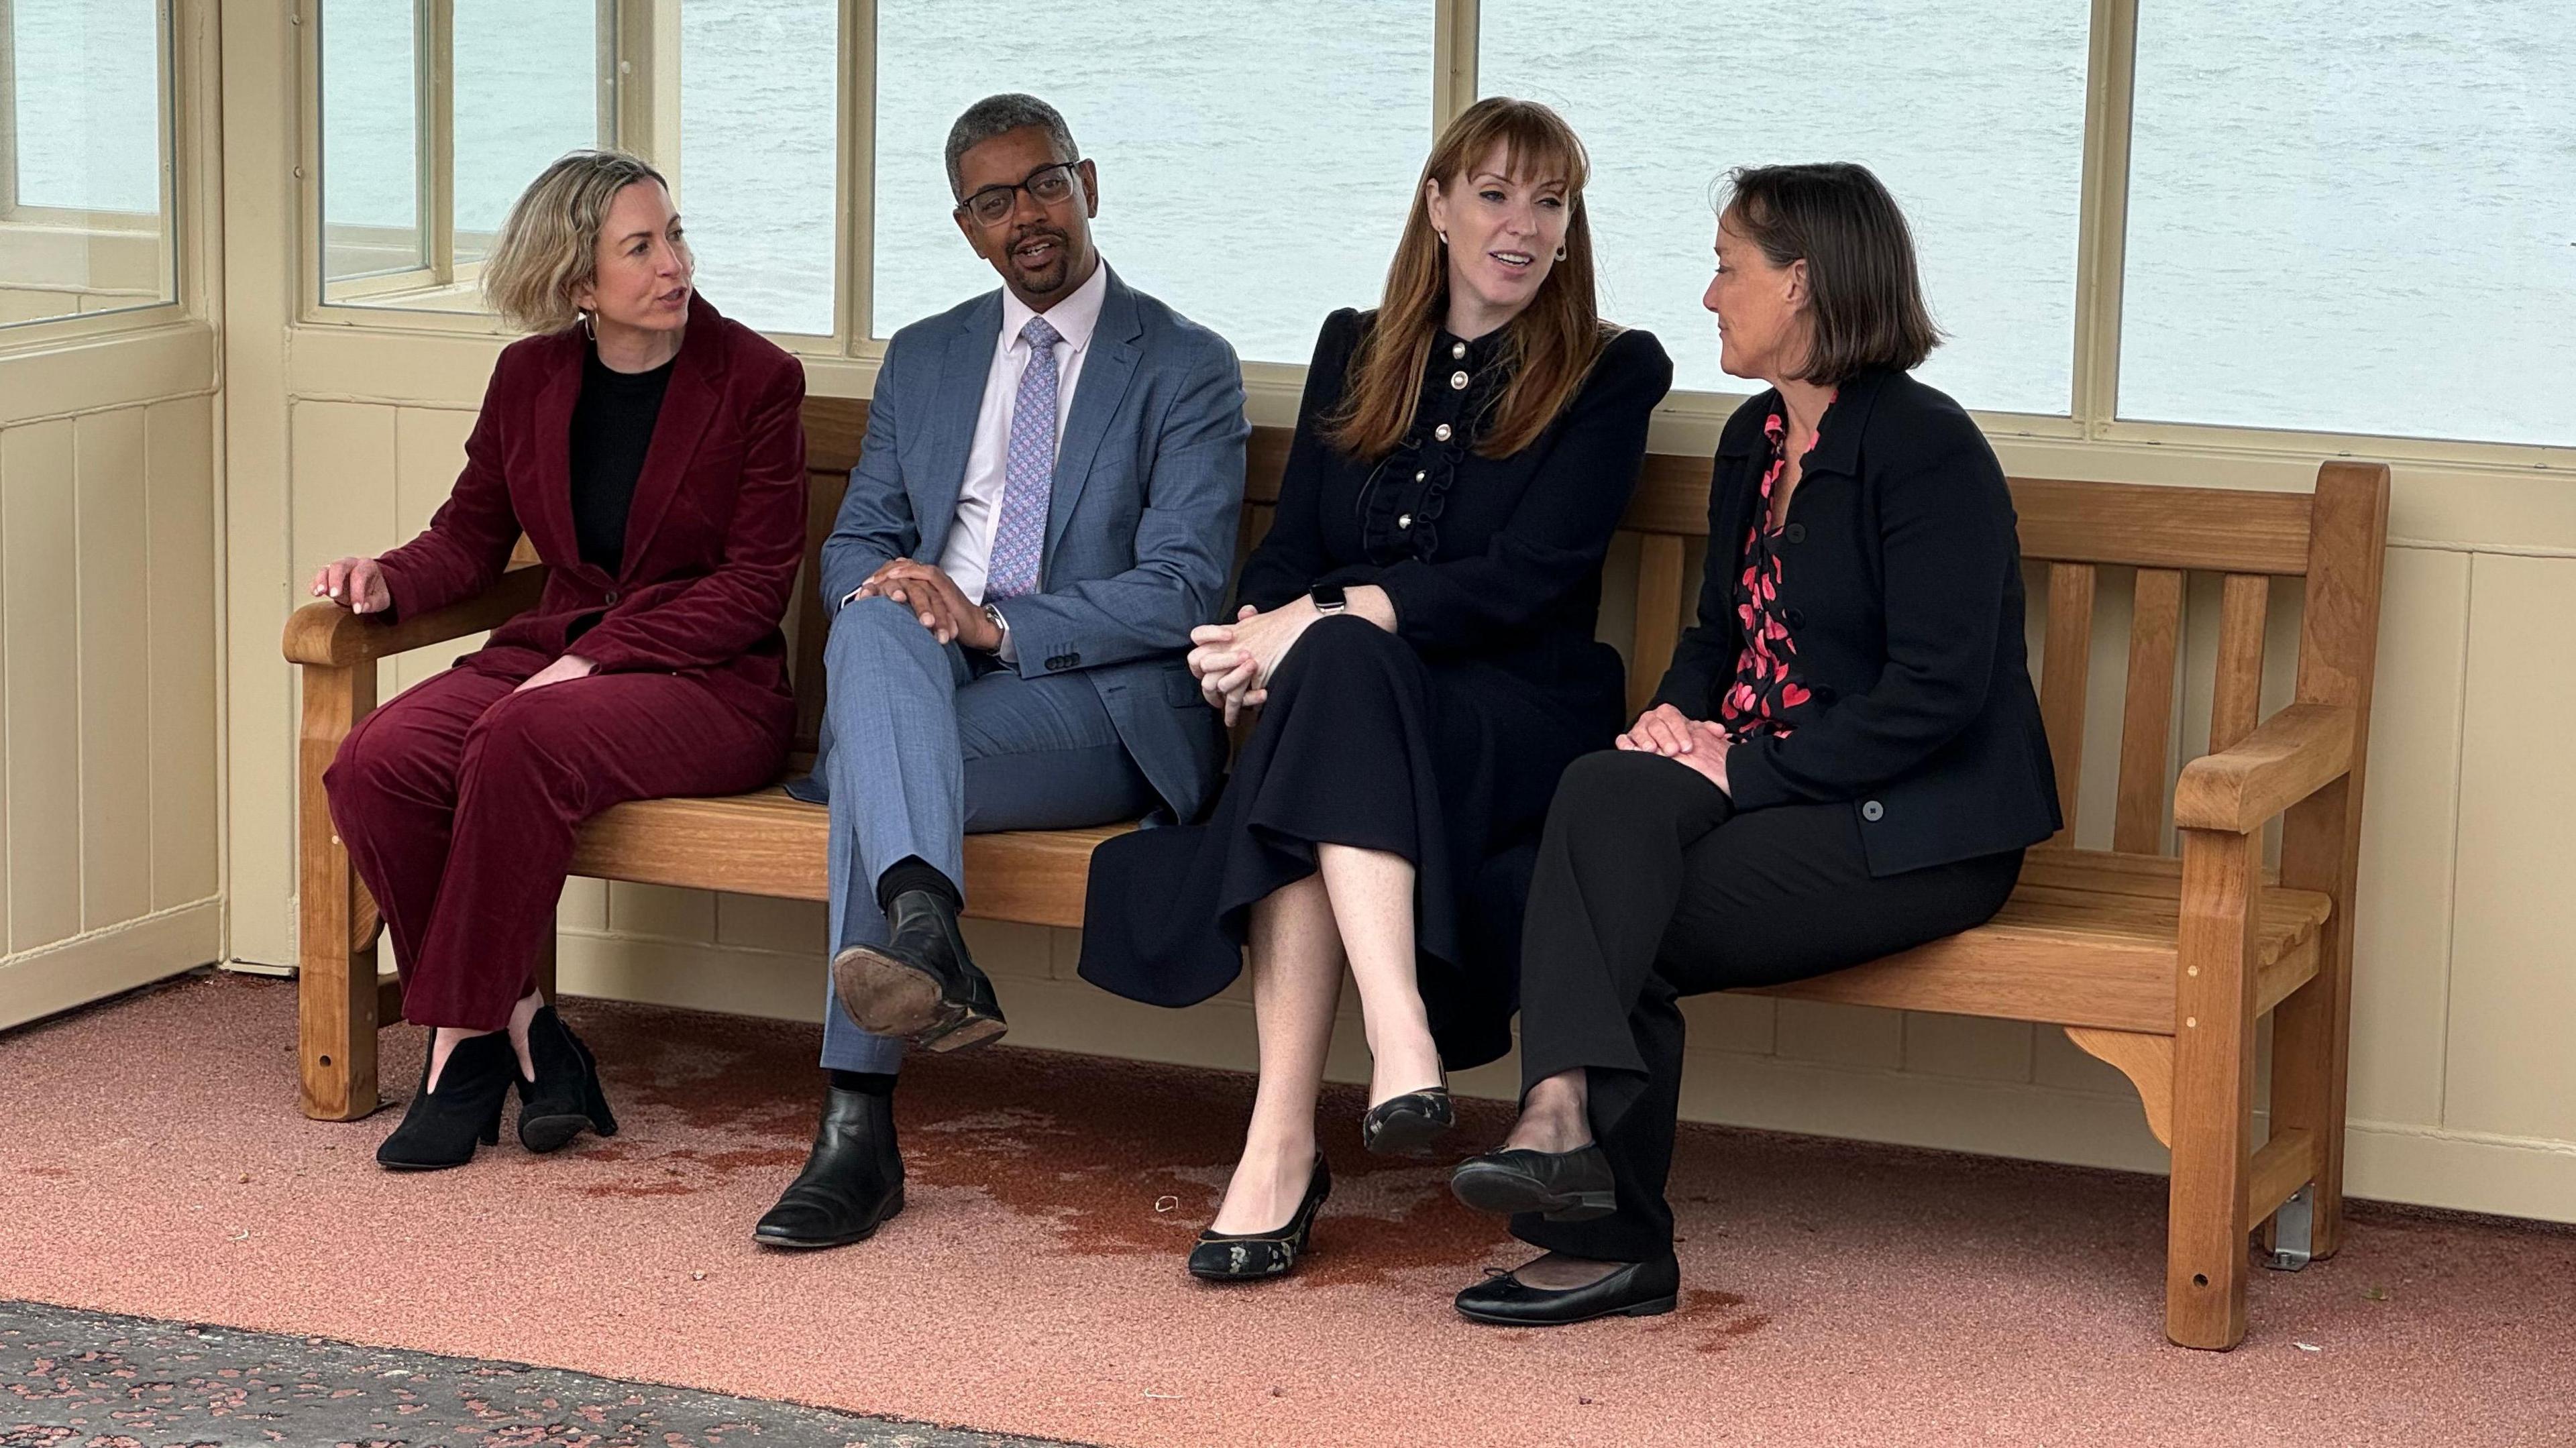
1796 618
1795 532
612 597
1872 811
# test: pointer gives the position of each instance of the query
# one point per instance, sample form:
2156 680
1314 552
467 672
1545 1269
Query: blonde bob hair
550 244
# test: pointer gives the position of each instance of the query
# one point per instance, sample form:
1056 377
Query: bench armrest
2294 754
326 634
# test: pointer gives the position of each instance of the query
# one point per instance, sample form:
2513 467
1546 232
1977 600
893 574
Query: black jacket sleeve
1947 549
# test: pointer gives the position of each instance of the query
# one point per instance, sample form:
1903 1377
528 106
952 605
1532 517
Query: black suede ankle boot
565 1096
441 1126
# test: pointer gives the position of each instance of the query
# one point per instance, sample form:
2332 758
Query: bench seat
2088 939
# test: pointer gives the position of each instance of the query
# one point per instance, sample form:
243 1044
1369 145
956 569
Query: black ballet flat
565 1096
1562 1186
1252 1256
440 1127
1409 1125
1640 1289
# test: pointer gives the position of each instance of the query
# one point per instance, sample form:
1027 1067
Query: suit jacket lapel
688 405
955 405
548 523
1106 371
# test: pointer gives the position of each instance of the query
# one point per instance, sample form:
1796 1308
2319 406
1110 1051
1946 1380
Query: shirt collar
1074 318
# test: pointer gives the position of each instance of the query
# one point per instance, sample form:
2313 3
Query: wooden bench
2160 964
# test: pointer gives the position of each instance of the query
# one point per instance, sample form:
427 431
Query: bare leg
1372 903
443 1044
1296 962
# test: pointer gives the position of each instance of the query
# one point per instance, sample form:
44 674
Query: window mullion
2102 244
642 104
8 113
854 232
1453 60
437 108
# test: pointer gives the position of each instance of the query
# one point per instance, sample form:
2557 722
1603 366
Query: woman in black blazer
1844 761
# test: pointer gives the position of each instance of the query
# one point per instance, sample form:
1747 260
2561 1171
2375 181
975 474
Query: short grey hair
999 116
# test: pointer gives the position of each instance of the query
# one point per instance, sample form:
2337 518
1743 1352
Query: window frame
639 64
175 224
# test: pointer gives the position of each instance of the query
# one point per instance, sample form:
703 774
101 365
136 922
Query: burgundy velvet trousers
458 800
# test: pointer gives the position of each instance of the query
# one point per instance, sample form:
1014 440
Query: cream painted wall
109 759
342 438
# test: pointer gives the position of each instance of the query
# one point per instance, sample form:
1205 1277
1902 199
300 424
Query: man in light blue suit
1044 507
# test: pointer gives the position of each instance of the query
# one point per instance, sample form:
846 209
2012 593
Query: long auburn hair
1550 346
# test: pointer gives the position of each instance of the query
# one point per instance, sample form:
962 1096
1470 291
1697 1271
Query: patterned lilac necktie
1028 479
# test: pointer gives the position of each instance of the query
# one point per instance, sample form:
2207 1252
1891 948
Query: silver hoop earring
587 329
1444 237
1560 253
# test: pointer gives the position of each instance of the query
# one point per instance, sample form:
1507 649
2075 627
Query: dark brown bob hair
1864 291
1552 344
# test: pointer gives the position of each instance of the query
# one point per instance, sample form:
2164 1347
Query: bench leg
2312 1030
335 954
546 960
2206 1261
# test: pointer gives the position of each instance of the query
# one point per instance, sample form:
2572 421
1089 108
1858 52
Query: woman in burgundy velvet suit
651 452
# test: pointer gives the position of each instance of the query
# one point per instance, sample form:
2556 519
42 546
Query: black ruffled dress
1440 742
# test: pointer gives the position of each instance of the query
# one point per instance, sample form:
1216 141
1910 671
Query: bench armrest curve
330 636
2293 755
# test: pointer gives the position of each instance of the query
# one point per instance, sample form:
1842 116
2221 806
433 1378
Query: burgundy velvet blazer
713 538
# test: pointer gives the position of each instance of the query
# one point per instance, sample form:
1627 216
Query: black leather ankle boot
441 1126
565 1096
851 1184
920 985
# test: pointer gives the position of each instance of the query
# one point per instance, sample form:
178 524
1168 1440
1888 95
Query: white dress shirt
968 555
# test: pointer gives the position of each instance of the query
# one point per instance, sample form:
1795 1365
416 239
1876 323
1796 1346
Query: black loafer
1251 1256
1640 1289
851 1184
920 985
1562 1186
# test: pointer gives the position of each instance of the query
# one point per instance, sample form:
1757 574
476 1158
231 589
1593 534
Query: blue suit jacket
1141 527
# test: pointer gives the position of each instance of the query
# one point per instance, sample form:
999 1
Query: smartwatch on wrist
1328 598
1001 626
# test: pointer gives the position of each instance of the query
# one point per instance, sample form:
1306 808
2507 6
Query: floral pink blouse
1767 697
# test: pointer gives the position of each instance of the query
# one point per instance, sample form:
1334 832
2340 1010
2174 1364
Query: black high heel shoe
1409 1124
1251 1256
565 1096
440 1127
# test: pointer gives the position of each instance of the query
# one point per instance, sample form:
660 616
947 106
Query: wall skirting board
86 967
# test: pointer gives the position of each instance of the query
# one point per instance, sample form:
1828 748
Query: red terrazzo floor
153 1163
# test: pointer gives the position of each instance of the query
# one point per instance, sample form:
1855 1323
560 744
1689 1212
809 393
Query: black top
1495 557
1901 578
612 425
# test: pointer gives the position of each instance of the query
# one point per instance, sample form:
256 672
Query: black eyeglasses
1048 185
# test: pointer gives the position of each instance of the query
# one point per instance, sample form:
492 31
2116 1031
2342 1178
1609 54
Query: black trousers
1650 887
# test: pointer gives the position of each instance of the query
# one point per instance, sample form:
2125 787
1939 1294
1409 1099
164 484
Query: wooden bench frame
2161 965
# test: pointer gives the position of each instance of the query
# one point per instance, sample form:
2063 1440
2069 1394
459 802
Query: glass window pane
83 224
1972 115
2354 218
759 97
527 90
370 160
1255 159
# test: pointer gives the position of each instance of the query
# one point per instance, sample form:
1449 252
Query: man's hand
570 666
355 584
937 601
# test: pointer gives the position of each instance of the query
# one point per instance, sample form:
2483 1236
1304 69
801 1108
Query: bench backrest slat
2065 672
2070 532
2146 723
